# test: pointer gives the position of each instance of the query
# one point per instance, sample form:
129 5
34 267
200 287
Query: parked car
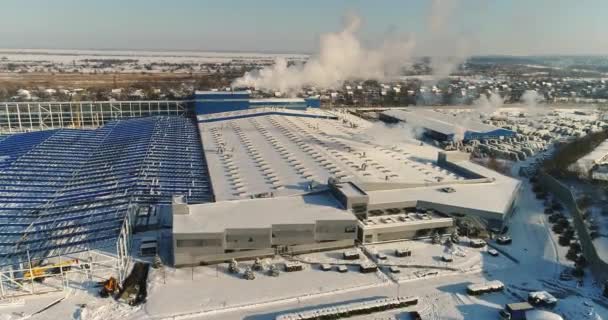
493 252
504 239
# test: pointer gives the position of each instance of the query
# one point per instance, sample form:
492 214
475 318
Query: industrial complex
442 127
244 178
287 176
262 186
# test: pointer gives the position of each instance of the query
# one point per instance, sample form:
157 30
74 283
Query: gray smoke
341 57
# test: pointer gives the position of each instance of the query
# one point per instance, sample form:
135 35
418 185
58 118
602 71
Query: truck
401 253
477 243
542 298
486 287
515 311
350 255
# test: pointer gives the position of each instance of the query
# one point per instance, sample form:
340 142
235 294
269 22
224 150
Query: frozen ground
209 288
533 263
465 259
68 56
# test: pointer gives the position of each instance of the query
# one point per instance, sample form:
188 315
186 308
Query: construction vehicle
40 272
108 287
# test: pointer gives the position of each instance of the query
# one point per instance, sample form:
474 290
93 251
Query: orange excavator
108 287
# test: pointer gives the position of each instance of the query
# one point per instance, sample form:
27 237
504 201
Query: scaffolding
66 192
32 116
72 271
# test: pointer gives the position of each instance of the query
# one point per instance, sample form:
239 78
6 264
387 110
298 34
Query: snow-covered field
68 56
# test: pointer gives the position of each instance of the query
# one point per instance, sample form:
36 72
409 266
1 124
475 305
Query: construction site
250 204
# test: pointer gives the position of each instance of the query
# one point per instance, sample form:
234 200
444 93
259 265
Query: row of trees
569 153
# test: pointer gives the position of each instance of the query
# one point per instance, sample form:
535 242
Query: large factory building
443 127
288 177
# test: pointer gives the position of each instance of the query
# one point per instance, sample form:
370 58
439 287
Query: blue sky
492 26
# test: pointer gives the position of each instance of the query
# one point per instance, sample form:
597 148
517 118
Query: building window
359 208
199 243
190 243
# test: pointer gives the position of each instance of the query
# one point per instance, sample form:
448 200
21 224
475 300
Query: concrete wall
491 219
196 248
238 239
331 230
403 231
186 260
561 192
390 205
321 246
196 244
290 234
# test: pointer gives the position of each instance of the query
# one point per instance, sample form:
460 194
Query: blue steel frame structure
65 191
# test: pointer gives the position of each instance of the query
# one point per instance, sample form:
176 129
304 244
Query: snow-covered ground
68 55
465 259
210 288
532 262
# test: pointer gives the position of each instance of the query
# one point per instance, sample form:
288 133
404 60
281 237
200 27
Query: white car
493 252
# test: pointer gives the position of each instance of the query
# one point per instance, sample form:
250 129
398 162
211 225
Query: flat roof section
259 213
283 153
440 122
497 196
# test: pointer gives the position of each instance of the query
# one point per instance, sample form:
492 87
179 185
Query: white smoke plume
488 104
447 50
389 134
531 100
341 57
483 107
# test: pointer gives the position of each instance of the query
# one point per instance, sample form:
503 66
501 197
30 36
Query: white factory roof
259 213
283 153
440 122
497 193
542 315
254 153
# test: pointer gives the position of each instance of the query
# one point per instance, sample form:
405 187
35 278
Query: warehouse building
209 102
298 180
443 127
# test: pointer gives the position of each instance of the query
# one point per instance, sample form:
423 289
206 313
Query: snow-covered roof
440 122
542 315
259 213
498 192
281 151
